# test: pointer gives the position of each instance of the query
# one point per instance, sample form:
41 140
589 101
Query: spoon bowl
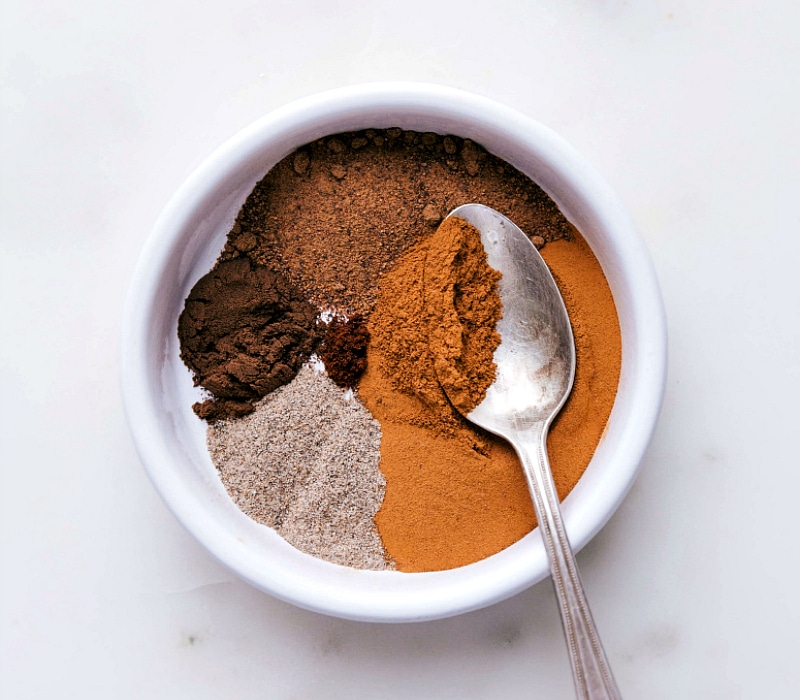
535 368
536 359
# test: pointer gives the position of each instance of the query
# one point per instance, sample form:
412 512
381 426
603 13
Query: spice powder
456 494
348 224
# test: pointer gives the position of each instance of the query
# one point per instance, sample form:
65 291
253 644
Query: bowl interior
186 241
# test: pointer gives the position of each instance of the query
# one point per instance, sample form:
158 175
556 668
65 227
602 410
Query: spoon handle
590 669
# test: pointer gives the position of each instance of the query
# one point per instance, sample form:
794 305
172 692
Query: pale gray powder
306 464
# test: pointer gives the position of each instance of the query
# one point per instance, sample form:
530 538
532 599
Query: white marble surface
691 110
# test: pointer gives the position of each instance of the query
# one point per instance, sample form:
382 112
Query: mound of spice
339 212
245 330
344 351
454 493
348 226
305 463
462 307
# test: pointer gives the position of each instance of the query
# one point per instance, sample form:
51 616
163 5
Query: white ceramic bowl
184 244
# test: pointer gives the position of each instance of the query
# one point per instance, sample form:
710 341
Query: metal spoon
535 370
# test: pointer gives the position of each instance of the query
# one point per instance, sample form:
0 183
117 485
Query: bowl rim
400 597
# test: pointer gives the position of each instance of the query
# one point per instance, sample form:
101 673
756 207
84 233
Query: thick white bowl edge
187 238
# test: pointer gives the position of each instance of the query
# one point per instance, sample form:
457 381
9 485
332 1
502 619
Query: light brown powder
461 293
338 213
305 463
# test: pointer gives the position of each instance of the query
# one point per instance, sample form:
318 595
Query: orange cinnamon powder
454 493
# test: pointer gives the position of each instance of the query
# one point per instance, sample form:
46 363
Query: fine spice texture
244 331
347 228
461 297
456 494
344 350
579 426
305 463
339 212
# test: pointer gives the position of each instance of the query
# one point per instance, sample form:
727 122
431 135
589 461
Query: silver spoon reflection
535 370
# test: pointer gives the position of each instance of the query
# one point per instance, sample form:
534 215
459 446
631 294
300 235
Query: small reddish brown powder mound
344 350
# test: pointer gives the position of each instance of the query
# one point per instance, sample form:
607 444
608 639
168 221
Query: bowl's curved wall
184 244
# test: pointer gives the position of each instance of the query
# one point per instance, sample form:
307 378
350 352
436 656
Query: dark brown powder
244 331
